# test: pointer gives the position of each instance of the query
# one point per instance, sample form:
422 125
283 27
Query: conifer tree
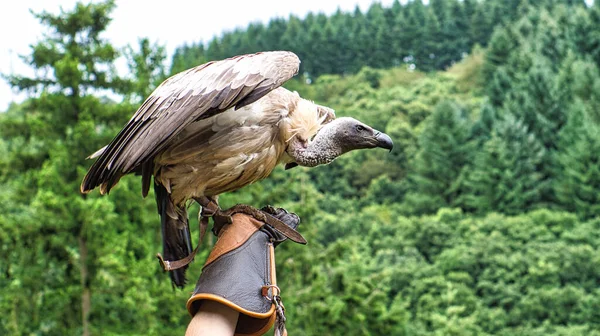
469 9
342 26
362 40
458 29
593 43
147 68
444 150
214 50
315 34
187 56
402 40
397 42
577 186
454 36
273 34
294 39
479 28
378 44
414 32
502 44
84 252
483 126
539 102
504 175
432 46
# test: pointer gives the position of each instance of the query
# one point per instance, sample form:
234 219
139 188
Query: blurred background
483 220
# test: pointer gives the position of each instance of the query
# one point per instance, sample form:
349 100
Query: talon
226 219
221 219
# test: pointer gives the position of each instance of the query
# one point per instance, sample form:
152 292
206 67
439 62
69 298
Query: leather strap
211 208
169 265
264 217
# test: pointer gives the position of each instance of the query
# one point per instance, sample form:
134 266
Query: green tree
72 263
456 28
593 42
577 187
501 46
398 43
479 28
377 47
341 25
483 126
294 39
539 102
414 32
361 39
187 56
504 176
439 164
316 36
432 47
147 68
271 39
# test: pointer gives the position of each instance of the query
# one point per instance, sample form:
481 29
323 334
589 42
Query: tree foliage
430 36
66 257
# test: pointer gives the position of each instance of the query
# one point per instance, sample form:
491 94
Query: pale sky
170 23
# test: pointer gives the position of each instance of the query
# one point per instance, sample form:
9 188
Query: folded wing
195 94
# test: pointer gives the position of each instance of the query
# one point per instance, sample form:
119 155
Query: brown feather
183 99
225 152
147 169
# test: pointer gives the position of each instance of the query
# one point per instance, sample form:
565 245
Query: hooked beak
384 141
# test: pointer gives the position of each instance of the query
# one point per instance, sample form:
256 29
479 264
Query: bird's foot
211 208
271 216
220 219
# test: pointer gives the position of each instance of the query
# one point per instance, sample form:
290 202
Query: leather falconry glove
240 272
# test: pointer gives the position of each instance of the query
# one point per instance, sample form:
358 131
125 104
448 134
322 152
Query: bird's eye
360 128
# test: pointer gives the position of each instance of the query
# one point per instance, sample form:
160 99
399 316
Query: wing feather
191 95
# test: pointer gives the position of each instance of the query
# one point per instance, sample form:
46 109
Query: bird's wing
191 95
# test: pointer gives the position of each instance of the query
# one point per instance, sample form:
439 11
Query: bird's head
340 136
351 134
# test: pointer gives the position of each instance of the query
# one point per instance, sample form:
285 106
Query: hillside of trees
483 220
427 37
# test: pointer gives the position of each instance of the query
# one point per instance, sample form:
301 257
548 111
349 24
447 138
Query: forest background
483 220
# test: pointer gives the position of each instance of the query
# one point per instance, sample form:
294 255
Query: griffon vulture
219 127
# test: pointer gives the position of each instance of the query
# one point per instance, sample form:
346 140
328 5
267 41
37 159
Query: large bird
217 128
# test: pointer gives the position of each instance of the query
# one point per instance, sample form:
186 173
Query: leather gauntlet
240 272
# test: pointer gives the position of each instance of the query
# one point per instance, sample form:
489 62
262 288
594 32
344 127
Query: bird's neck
321 150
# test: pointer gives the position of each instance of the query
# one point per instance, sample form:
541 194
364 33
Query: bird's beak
384 141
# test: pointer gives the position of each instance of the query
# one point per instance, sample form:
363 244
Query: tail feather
177 240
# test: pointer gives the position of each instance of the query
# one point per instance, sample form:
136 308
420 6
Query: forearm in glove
240 272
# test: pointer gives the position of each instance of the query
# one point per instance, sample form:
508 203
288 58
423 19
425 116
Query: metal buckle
275 292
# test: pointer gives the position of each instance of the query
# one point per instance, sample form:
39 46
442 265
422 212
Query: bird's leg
211 208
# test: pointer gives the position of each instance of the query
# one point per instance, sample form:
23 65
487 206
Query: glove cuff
239 269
